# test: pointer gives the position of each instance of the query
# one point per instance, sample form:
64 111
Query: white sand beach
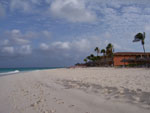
78 90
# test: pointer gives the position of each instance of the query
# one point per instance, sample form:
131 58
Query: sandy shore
80 90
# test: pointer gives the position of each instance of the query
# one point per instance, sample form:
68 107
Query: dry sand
79 90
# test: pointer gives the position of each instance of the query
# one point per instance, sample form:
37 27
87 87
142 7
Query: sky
56 33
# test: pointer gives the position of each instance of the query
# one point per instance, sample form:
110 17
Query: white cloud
20 40
25 50
44 46
69 49
131 9
109 11
9 50
12 50
15 43
16 37
28 6
48 1
116 46
106 42
36 34
72 10
46 33
82 45
147 10
5 42
147 28
16 31
115 4
2 11
30 34
21 5
107 35
36 1
62 45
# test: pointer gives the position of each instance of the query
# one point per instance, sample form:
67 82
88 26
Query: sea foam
11 72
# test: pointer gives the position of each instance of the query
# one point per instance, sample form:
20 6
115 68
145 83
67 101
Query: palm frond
138 37
136 40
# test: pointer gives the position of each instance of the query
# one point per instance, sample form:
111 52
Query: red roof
131 53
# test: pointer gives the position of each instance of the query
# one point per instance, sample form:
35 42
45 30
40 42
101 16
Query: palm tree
91 57
140 37
110 50
97 50
104 56
103 51
109 53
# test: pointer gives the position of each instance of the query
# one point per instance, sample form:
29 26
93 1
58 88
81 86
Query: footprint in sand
58 101
36 103
71 105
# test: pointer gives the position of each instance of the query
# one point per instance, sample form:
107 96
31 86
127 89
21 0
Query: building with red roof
127 58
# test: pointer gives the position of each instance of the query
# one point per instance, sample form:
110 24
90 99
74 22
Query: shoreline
71 67
82 90
16 71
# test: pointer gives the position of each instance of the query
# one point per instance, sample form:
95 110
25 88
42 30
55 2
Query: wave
10 72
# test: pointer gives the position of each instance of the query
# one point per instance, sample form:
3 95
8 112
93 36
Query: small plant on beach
140 37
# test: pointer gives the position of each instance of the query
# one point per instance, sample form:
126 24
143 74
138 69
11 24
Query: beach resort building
131 58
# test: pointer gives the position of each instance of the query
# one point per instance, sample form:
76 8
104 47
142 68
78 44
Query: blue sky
41 33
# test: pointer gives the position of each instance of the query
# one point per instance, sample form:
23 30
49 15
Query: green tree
85 60
140 37
97 50
103 51
91 57
109 50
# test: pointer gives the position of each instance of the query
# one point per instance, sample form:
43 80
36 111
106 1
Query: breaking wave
10 72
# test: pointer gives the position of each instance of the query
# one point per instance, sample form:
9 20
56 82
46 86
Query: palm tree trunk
143 48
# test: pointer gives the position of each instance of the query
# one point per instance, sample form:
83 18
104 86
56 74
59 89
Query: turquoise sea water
6 71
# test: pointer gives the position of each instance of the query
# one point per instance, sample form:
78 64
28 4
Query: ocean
7 71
